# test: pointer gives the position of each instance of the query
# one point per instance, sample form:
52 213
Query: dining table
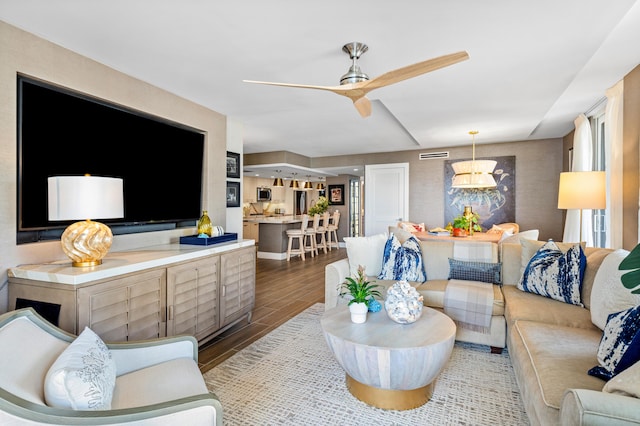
493 237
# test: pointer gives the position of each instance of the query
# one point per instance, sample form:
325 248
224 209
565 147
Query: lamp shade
85 197
474 174
582 190
278 182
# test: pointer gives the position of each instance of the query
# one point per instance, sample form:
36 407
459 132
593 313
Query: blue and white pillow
402 261
551 273
620 344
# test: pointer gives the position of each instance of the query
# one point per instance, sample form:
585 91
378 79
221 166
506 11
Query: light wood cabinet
130 308
238 280
192 298
200 296
251 231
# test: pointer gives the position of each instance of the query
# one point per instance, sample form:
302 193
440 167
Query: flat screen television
62 132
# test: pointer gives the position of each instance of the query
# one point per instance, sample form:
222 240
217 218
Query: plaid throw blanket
470 303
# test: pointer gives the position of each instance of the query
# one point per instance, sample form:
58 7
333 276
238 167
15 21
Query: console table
148 292
477 236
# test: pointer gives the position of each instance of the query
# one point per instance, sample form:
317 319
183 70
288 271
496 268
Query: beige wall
21 52
538 166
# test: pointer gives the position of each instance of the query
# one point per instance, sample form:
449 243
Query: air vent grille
433 155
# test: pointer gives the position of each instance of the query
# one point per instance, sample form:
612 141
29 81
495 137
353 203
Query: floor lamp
582 190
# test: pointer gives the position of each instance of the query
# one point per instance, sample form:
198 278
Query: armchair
157 382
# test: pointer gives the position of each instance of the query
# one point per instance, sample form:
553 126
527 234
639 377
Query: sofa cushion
554 274
167 381
549 359
475 271
626 383
83 376
620 344
433 291
608 295
366 251
520 305
402 261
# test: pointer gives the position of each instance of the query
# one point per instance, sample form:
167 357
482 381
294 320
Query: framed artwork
336 194
233 165
233 194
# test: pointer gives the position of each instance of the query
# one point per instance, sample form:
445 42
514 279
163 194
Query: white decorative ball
403 303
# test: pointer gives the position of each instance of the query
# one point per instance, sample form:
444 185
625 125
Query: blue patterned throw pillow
402 261
620 344
474 271
551 273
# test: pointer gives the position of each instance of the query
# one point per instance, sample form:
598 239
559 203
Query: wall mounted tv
61 132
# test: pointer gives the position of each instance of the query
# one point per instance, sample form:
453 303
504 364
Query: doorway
355 207
386 197
300 202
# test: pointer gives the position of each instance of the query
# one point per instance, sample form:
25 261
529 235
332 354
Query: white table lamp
582 190
85 197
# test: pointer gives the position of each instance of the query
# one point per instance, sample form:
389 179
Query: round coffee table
390 365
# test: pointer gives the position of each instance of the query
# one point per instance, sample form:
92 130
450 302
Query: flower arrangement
359 288
320 207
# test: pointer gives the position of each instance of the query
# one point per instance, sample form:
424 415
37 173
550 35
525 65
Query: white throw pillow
608 294
83 377
516 238
626 383
366 251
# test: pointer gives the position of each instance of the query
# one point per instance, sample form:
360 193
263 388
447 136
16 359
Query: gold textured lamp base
389 399
86 242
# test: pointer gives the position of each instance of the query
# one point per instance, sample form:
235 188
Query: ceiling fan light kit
474 173
355 84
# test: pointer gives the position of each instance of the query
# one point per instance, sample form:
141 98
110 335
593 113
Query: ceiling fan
355 84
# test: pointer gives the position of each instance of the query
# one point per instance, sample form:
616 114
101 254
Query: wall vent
433 155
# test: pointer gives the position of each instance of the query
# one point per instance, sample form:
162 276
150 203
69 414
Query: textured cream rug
290 377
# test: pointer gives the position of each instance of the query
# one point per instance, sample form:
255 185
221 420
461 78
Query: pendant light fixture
308 185
474 174
294 182
278 180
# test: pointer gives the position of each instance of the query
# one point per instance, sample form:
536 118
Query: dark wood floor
283 290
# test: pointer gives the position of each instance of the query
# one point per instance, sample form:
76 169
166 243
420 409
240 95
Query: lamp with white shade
474 173
84 198
582 190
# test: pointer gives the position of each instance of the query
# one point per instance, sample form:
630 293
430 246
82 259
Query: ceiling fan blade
302 86
363 105
414 70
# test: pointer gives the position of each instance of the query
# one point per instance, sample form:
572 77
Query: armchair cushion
83 377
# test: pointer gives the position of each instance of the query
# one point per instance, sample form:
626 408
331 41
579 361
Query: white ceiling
533 67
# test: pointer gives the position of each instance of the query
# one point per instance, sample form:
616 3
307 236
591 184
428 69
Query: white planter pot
358 312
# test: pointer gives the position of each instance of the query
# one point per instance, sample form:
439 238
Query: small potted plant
464 223
360 291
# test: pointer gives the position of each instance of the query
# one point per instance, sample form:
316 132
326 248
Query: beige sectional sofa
552 344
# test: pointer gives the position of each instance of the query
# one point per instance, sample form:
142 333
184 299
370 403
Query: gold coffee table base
389 399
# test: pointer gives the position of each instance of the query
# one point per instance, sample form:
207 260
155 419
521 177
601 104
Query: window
598 130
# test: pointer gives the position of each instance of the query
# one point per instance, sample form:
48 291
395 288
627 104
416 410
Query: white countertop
122 262
277 219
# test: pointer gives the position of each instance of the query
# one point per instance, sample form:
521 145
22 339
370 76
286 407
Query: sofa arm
589 407
334 274
133 356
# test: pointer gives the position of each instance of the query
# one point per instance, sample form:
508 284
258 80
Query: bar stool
332 231
322 232
298 234
310 235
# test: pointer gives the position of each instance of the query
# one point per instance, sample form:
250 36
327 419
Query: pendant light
278 180
474 174
294 182
308 185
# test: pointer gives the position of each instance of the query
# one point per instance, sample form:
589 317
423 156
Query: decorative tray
195 240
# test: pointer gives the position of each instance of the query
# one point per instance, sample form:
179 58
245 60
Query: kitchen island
272 234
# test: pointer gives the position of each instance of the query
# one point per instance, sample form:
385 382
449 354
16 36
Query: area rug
290 377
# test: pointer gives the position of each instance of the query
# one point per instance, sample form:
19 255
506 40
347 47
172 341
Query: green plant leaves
631 280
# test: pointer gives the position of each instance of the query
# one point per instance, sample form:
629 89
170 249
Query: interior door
386 196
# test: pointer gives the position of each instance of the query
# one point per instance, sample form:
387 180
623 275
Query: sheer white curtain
582 162
613 168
